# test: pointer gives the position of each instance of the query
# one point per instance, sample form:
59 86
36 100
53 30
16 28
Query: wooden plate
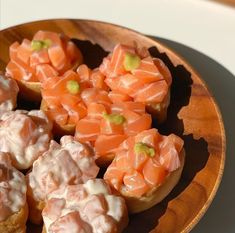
193 115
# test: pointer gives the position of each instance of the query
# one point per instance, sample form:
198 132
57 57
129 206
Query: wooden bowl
193 115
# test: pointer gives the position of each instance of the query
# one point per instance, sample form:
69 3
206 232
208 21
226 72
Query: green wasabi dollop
117 119
131 62
73 87
37 45
141 147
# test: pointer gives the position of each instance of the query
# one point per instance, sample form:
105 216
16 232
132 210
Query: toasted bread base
136 205
35 207
159 111
105 160
30 91
16 223
59 130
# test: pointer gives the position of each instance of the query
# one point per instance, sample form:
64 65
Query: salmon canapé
90 208
61 99
107 125
134 73
68 163
48 54
143 162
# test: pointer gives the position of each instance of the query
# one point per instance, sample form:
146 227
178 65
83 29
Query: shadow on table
220 215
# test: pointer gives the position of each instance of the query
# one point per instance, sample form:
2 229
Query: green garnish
73 87
131 62
141 147
157 107
116 119
37 45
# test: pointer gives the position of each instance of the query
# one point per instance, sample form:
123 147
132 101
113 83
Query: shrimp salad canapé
68 163
13 205
90 208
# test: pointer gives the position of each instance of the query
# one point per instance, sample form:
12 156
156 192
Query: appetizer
146 168
62 102
90 208
107 126
48 54
13 205
25 136
65 164
8 93
133 72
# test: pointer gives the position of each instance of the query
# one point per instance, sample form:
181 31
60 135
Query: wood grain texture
193 115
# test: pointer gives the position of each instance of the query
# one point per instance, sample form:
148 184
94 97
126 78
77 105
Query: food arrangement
103 117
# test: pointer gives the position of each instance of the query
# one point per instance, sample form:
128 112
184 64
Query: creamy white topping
25 135
12 188
68 163
90 206
8 93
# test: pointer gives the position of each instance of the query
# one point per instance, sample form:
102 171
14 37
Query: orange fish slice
59 115
136 125
40 58
107 127
128 105
152 93
105 144
95 95
114 175
154 173
117 97
96 110
45 72
24 51
147 72
135 184
87 129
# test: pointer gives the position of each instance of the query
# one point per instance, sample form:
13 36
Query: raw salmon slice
147 72
118 97
45 72
152 93
24 51
154 173
107 127
87 129
128 105
105 144
95 95
96 110
135 184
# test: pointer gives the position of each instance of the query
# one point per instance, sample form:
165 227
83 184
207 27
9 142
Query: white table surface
203 25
